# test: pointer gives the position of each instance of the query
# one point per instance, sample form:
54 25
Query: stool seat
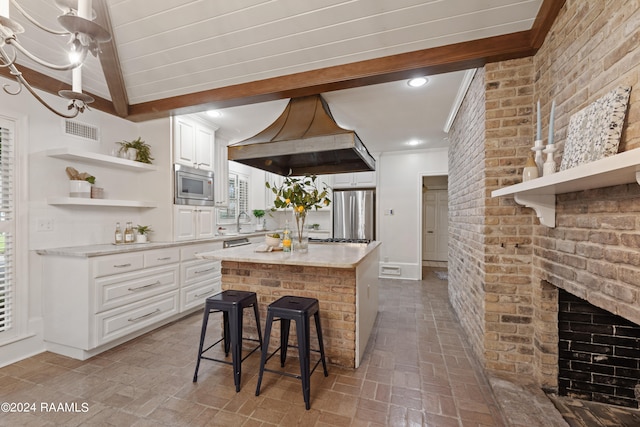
231 303
298 309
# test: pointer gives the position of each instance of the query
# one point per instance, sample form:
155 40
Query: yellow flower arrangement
302 194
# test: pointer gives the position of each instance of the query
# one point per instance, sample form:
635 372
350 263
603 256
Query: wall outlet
44 224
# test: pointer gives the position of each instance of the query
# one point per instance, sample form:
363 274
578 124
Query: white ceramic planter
79 188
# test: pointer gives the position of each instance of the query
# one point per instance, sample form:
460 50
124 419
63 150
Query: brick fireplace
599 353
505 269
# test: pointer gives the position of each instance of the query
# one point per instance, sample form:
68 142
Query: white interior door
434 227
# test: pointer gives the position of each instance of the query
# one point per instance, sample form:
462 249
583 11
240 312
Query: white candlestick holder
537 148
549 166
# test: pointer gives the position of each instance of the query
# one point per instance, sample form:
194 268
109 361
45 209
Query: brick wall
504 267
466 214
335 289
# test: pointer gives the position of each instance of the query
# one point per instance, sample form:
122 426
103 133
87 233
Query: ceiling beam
546 16
111 63
455 57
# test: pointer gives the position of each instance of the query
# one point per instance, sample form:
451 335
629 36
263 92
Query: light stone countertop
112 249
334 255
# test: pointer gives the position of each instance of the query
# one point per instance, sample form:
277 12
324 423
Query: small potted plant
141 233
259 213
80 184
136 150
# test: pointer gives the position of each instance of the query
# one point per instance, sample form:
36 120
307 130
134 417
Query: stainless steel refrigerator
354 214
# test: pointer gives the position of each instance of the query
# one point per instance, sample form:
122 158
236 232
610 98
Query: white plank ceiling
175 47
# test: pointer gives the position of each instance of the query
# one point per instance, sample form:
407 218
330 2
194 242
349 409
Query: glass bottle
128 233
286 238
118 234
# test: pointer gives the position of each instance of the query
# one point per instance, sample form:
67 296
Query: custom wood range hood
305 139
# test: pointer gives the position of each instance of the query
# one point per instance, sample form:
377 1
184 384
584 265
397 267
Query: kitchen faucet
239 215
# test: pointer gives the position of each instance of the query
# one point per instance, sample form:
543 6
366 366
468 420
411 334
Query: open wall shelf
89 157
540 193
82 201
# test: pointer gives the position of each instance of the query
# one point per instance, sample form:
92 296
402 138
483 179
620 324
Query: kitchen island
342 276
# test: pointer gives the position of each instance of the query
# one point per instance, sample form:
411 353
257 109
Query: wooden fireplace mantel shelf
540 193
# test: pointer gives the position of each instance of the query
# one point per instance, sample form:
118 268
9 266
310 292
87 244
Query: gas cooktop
339 240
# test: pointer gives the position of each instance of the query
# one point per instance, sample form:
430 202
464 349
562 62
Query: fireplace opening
599 354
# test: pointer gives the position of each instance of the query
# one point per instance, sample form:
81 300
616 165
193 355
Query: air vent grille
81 130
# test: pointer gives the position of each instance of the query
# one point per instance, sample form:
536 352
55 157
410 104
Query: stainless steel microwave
193 186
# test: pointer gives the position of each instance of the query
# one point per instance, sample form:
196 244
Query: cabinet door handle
205 271
122 265
201 295
157 282
135 319
163 259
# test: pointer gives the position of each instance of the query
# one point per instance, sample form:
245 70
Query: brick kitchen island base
343 279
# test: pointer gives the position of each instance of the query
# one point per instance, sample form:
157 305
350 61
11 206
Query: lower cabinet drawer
194 295
118 290
114 264
197 271
125 320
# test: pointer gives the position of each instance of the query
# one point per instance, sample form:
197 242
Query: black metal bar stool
231 303
299 309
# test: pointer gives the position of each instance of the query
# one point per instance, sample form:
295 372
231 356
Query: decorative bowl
272 241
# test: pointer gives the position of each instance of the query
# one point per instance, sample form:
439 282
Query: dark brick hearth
599 353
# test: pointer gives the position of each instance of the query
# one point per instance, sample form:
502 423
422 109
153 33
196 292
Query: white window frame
237 204
20 288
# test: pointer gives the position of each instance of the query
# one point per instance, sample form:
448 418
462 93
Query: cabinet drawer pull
157 282
201 295
122 265
135 319
164 259
205 271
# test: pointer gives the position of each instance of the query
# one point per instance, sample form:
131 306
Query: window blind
7 225
238 200
243 195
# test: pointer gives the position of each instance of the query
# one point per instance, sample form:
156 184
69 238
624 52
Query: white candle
76 76
84 9
4 8
553 112
539 123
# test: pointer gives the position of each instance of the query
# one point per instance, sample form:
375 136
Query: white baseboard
23 346
399 270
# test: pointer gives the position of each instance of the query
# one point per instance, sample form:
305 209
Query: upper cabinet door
205 139
184 141
193 144
354 180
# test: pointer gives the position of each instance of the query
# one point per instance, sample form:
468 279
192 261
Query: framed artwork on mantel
595 131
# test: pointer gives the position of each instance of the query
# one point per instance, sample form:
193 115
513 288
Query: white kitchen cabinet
221 175
200 278
193 143
319 234
92 302
354 180
273 180
193 222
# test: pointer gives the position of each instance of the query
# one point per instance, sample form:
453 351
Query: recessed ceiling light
418 81
414 142
214 113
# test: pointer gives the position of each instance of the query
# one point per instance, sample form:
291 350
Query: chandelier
84 37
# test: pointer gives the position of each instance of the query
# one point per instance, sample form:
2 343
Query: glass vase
300 233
